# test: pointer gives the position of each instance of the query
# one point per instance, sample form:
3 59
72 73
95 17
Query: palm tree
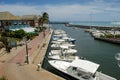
44 20
45 17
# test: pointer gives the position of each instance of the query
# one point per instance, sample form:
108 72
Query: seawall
97 27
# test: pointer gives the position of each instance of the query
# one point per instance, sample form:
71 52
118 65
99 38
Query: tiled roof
30 17
8 16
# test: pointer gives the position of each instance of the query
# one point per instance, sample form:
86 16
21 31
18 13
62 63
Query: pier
13 65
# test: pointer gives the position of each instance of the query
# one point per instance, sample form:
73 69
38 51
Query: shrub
117 35
109 36
3 78
102 36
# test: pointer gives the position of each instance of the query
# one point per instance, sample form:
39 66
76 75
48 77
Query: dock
15 68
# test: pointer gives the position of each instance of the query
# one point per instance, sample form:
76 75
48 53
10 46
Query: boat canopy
85 65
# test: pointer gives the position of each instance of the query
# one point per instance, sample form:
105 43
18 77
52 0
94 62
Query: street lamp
27 56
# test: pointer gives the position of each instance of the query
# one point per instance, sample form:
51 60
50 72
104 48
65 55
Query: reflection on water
117 57
119 63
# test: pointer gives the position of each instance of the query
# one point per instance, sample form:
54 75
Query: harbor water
97 51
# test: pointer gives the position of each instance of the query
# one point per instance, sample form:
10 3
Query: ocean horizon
97 23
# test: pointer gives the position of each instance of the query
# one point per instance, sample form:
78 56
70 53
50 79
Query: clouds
69 12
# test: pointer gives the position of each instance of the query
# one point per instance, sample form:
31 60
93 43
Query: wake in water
117 57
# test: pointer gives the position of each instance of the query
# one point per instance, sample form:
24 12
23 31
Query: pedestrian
44 34
39 67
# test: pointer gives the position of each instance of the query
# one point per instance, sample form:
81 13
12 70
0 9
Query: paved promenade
13 67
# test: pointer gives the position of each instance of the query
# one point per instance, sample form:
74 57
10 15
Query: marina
60 40
90 49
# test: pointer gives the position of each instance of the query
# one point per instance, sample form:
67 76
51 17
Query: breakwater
110 40
59 22
97 27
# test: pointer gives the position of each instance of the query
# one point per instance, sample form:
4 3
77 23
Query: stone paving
13 66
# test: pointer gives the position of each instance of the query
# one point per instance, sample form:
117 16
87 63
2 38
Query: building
10 21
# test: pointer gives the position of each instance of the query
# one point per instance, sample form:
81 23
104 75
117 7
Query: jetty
13 66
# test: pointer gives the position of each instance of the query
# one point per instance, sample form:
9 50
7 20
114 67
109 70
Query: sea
97 51
97 23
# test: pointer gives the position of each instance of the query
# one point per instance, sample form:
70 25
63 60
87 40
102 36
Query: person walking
39 66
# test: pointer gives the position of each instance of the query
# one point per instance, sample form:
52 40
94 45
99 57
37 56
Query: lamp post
27 56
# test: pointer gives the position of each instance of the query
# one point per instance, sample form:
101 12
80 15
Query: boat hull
63 74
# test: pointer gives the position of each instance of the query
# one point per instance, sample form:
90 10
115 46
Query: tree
5 41
44 18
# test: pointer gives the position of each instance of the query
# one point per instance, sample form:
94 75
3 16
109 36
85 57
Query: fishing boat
80 69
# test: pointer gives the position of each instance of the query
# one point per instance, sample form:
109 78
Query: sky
66 10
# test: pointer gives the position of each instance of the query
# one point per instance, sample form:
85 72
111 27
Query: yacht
80 69
63 51
63 58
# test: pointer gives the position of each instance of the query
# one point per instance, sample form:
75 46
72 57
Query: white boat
55 52
62 52
58 41
80 69
60 36
69 39
63 37
55 42
59 44
63 58
59 31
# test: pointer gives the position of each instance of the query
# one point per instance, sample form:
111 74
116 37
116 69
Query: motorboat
63 51
69 39
59 31
64 37
59 36
80 69
59 45
64 57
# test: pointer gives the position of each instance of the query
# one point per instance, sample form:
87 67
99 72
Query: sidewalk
14 67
